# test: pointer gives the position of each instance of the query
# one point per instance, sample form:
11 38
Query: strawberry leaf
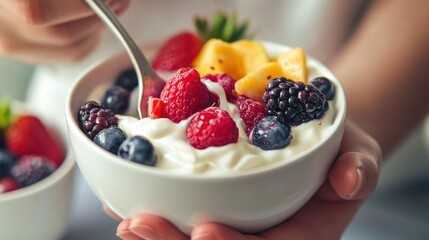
202 28
218 25
5 114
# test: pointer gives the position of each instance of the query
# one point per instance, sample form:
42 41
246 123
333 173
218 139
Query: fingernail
360 179
145 232
205 236
126 235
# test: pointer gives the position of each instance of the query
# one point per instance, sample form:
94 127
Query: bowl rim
73 127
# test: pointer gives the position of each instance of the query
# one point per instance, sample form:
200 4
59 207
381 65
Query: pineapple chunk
254 54
294 65
218 56
253 84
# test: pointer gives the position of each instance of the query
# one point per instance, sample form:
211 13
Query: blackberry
127 79
325 86
116 99
294 102
93 118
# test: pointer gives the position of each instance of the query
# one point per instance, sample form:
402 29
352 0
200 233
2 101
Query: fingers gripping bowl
250 199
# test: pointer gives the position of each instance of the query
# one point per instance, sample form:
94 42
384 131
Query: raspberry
93 118
227 83
211 127
294 102
250 111
8 184
185 94
31 169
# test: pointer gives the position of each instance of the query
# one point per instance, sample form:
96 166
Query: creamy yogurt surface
175 154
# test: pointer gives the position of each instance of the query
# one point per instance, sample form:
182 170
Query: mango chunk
294 65
253 84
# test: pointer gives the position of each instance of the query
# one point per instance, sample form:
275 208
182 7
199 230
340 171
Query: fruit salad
229 107
29 151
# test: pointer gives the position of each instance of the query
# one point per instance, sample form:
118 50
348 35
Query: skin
393 33
36 31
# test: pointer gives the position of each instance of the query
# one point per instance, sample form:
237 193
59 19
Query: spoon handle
143 68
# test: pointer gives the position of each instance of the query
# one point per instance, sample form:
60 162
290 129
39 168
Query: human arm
384 71
37 31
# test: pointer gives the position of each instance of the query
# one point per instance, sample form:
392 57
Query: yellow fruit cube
254 54
219 56
253 84
294 65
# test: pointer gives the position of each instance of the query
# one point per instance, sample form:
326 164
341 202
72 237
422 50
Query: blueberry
31 169
127 79
7 161
271 133
116 99
138 149
2 143
110 139
325 86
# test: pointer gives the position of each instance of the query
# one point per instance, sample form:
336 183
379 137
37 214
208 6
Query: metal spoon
149 82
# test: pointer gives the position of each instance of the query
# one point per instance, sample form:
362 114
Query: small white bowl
250 202
40 211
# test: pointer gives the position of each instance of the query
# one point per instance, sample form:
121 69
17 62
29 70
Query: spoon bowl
149 82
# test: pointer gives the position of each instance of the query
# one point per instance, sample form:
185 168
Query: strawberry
155 108
28 136
180 49
184 94
177 52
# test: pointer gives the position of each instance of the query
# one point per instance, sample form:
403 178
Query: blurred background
399 208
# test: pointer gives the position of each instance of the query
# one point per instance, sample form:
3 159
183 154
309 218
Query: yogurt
175 154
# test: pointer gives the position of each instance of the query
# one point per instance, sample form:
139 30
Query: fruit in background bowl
36 178
31 151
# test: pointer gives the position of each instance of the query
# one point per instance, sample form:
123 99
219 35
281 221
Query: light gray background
399 209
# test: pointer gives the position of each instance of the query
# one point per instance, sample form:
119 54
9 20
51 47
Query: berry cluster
269 124
185 95
29 152
100 124
294 102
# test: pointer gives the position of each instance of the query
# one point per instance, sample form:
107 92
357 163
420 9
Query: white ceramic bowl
40 211
250 202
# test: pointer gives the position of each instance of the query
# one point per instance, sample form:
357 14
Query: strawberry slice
28 136
155 108
177 52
